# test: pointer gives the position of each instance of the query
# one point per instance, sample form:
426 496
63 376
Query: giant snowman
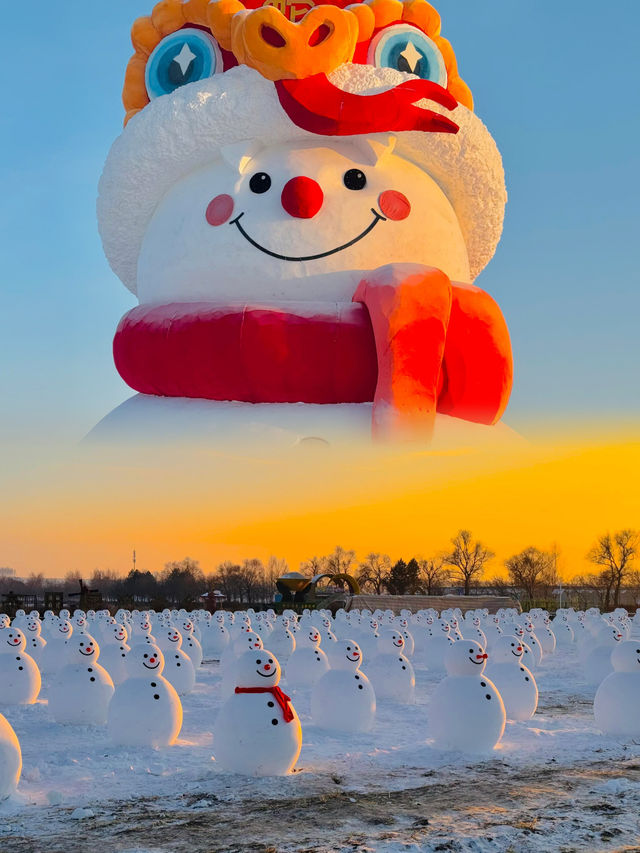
301 200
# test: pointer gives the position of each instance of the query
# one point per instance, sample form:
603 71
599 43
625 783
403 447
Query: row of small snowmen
148 659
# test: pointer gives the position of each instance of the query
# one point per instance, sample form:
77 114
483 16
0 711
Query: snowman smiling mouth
377 217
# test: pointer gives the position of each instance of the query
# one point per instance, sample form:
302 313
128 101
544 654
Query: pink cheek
394 205
219 210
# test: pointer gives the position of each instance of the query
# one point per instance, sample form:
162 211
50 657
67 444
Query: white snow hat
177 134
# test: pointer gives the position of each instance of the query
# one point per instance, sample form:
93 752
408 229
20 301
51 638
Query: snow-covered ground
554 784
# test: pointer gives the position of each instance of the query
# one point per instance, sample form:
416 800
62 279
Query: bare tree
616 554
340 561
467 559
532 570
373 572
313 566
434 576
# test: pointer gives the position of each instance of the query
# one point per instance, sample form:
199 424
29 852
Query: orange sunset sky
87 511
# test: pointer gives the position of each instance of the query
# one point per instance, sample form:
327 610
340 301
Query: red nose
267 667
152 660
302 197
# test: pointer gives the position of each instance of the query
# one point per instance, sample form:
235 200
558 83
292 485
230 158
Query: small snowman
215 639
466 712
257 731
53 655
282 641
81 691
190 644
308 662
20 679
35 640
437 641
391 673
618 698
145 709
597 662
114 651
343 699
514 681
178 669
10 760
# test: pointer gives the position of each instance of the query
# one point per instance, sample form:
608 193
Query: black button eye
146 656
258 661
470 651
260 183
354 179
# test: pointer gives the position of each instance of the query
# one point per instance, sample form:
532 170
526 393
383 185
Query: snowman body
10 759
466 711
20 679
390 672
145 709
215 639
515 683
344 699
547 638
113 659
257 731
597 663
82 689
617 699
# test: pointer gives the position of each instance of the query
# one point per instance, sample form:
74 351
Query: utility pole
134 559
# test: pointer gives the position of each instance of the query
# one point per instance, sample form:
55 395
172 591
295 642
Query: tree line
531 574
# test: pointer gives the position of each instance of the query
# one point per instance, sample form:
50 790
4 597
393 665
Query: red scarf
281 698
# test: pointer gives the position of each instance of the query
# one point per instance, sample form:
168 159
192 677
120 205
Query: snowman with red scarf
257 731
301 208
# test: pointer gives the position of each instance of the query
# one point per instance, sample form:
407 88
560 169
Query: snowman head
258 668
5 621
120 633
173 638
12 640
465 658
346 655
64 629
626 656
443 627
34 626
250 640
82 648
390 641
207 77
187 626
143 660
296 221
507 649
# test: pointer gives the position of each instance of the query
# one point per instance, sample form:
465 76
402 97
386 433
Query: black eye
354 179
260 182
258 661
470 651
146 656
348 648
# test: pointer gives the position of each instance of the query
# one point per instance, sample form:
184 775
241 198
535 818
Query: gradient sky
556 83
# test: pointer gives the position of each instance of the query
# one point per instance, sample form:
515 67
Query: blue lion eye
407 49
183 57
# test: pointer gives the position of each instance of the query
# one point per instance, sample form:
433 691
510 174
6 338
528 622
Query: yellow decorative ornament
280 49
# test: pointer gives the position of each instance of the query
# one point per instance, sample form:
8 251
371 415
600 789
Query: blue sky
556 83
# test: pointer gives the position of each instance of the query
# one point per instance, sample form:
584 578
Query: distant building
6 572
